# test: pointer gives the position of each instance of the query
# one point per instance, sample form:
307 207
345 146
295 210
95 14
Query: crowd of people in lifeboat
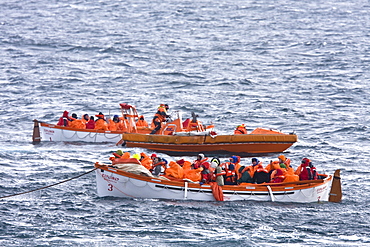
230 172
99 122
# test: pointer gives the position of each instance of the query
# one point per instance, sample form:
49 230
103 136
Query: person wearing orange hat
284 162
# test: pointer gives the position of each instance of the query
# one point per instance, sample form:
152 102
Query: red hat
153 156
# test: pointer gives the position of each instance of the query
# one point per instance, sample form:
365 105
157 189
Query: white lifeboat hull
117 183
51 132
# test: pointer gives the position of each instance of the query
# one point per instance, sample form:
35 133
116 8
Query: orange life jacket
260 168
251 169
273 166
174 170
112 125
77 124
290 176
161 114
141 123
101 124
240 130
146 161
230 176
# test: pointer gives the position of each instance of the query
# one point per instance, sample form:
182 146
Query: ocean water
299 66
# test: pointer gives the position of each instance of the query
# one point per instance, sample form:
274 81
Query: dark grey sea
299 66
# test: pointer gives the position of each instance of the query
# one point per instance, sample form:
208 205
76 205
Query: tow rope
48 186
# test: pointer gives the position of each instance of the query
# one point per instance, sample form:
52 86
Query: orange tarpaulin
217 191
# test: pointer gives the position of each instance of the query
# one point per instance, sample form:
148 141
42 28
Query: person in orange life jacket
282 160
230 173
101 123
201 162
272 167
156 124
85 118
76 123
118 122
115 123
261 175
91 123
158 166
283 163
64 120
141 122
237 165
159 117
197 163
240 130
219 172
246 173
278 177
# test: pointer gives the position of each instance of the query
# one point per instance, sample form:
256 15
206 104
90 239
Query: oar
336 188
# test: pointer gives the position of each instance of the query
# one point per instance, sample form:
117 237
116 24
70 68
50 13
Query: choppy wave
291 66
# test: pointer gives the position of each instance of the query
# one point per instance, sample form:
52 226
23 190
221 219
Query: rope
48 186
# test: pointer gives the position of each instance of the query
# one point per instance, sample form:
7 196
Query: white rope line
92 135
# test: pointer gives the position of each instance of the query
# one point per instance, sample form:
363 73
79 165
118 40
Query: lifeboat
175 137
129 179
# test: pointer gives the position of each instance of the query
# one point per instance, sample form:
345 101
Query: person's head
254 161
240 126
86 117
141 117
282 158
305 161
116 118
74 115
234 159
200 156
153 156
92 118
166 107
